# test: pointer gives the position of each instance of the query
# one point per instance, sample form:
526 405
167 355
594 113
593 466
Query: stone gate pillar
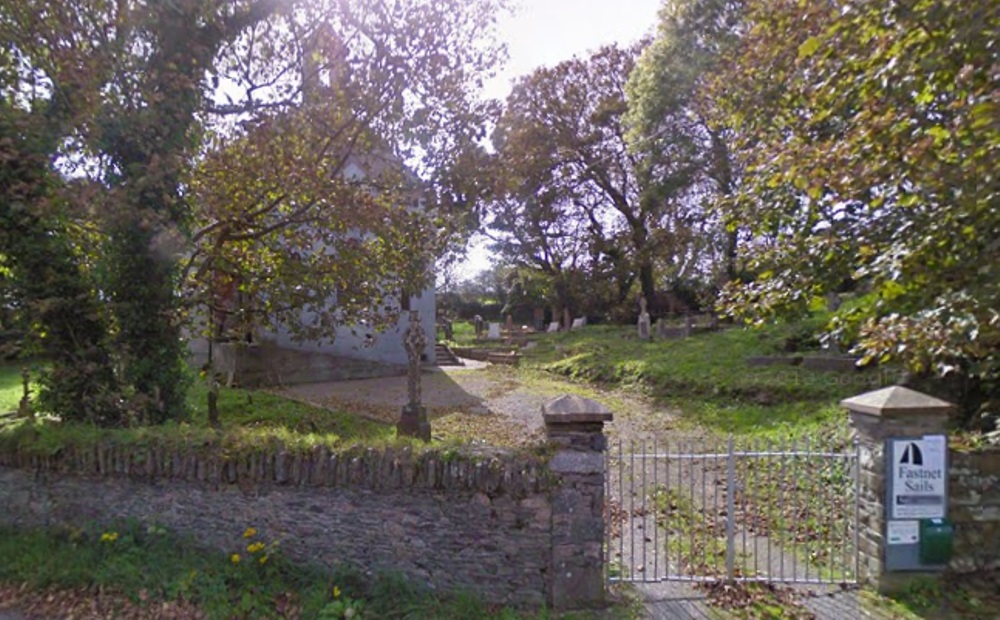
877 416
575 429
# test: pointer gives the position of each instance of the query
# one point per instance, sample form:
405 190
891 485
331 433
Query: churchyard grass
707 378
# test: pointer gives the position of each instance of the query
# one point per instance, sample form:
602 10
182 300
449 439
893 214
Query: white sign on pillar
919 478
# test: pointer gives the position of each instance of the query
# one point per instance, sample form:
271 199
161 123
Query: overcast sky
546 32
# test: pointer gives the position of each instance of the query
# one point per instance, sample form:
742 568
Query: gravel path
502 405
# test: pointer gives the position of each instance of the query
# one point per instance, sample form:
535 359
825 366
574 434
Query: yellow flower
336 592
262 559
109 537
249 533
235 558
255 547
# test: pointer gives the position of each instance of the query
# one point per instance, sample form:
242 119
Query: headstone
643 320
413 421
538 322
477 323
494 332
567 319
660 328
580 322
553 327
688 326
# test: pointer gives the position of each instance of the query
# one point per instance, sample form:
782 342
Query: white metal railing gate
712 510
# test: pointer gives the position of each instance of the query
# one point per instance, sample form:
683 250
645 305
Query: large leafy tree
686 151
338 80
52 60
572 198
871 149
352 105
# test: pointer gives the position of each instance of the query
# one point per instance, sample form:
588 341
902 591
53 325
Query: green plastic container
937 539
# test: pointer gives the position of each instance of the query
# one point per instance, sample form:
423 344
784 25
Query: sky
546 32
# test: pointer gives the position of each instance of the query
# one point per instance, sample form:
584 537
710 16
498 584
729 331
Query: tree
687 155
870 153
51 60
400 76
571 195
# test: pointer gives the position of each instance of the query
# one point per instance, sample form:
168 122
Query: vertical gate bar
631 512
755 498
845 542
716 509
782 507
730 511
771 501
704 511
666 509
857 510
645 511
744 498
808 558
795 511
656 514
691 506
621 511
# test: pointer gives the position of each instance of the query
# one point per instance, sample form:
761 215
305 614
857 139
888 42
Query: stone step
445 356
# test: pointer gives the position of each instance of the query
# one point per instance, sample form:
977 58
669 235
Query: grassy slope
707 375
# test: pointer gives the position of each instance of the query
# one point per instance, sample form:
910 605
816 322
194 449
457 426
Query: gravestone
553 327
643 324
660 328
580 322
688 326
413 421
477 323
494 332
538 322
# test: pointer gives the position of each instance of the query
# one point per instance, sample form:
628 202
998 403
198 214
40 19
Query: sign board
903 532
918 477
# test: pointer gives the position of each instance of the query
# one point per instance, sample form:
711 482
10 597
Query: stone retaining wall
974 497
482 523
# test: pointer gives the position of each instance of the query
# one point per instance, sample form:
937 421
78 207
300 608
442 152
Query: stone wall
974 497
476 522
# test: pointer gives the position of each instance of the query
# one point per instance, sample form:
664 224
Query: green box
937 538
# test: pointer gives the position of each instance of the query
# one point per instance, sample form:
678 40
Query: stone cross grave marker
413 421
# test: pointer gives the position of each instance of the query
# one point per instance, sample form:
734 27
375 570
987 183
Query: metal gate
710 510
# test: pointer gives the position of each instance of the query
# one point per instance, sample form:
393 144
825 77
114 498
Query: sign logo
918 477
912 455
